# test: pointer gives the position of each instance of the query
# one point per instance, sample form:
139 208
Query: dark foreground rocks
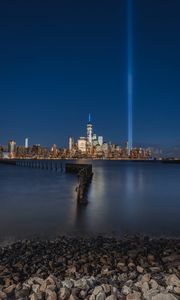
93 268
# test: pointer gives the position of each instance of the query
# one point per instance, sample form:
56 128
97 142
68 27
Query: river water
124 197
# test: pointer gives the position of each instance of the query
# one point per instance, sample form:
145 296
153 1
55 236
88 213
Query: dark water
124 197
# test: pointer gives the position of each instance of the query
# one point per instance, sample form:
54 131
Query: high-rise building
71 143
100 140
89 131
126 149
82 144
94 137
12 146
26 143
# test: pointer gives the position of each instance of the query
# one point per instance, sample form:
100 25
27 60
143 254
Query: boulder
163 296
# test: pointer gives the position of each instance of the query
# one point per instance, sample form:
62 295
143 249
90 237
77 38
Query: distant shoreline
13 161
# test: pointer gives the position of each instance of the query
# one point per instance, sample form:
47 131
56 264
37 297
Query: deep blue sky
61 59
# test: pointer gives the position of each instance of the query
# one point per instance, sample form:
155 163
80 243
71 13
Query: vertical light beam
129 74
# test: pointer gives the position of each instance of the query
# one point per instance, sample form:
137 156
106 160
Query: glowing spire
89 118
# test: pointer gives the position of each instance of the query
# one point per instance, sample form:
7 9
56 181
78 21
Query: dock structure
8 161
56 166
84 173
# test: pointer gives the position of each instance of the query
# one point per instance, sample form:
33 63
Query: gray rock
35 288
97 290
92 297
114 290
140 269
51 280
134 296
68 283
2 295
106 288
51 295
83 293
145 287
33 297
153 284
52 287
105 270
149 294
145 278
126 290
122 267
101 296
64 293
81 284
23 293
37 280
177 290
163 296
173 280
9 289
73 297
43 287
111 297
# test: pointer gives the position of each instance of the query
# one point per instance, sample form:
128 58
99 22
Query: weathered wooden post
85 174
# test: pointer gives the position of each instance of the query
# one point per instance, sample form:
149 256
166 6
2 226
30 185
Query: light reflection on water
124 197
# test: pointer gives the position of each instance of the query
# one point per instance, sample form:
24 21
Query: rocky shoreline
95 268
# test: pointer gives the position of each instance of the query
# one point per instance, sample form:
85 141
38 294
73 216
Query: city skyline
57 64
88 133
26 142
88 146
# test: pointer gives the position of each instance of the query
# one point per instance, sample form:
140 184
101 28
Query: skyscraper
100 140
26 143
82 144
12 147
71 143
89 131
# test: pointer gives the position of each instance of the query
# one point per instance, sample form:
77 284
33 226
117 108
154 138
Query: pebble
101 296
163 296
95 268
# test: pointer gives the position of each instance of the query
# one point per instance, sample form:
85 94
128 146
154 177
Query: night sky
61 59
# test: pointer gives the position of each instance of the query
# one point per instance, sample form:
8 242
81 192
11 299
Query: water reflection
133 197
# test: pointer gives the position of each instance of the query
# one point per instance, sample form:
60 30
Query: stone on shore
95 268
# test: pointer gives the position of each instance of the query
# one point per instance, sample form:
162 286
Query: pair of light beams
129 73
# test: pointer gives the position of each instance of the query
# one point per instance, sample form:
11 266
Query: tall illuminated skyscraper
26 143
71 143
12 146
100 140
89 131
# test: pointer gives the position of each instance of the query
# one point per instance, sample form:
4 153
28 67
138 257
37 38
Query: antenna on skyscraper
89 118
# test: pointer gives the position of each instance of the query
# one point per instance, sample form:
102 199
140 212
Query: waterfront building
100 140
94 137
54 151
105 149
5 155
82 145
71 143
12 147
126 149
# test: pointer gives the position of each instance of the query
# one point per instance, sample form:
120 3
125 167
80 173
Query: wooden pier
36 164
84 173
8 161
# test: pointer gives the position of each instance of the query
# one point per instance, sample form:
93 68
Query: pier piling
84 172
